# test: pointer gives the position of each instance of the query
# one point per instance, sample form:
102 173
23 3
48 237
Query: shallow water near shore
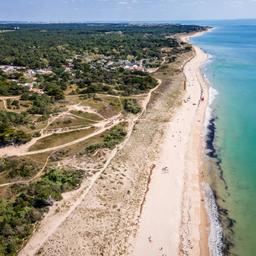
232 72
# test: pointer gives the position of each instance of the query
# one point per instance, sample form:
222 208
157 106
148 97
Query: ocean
231 138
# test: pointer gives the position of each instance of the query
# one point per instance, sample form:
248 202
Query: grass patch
60 139
69 122
76 149
38 158
87 115
105 105
114 102
90 102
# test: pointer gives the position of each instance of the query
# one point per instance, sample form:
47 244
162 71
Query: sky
124 10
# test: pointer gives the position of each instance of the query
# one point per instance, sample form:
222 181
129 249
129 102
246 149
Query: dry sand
171 217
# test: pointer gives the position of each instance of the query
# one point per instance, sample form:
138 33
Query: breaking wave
209 111
215 240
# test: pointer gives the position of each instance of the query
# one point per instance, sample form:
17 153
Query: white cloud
123 2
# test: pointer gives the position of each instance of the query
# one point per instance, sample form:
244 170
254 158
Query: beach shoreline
164 227
197 144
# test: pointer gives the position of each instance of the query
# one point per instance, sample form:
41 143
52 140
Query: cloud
123 2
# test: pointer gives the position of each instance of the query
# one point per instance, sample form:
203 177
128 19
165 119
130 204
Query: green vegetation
86 115
60 139
137 82
40 104
131 106
16 168
10 135
38 46
98 79
69 122
110 139
18 214
55 91
8 87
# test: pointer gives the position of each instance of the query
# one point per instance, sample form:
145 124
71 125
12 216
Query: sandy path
38 175
23 149
79 107
159 231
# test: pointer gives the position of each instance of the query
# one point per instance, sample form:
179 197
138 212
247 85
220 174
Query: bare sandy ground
171 216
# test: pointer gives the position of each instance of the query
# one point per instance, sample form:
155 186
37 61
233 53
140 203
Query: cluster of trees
18 168
94 80
55 45
131 106
106 27
32 49
137 82
8 87
42 45
40 104
18 214
55 84
8 134
38 46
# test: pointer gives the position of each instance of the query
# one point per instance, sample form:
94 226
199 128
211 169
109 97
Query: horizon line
116 21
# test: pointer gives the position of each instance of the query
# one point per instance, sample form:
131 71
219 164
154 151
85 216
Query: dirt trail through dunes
22 150
37 176
18 152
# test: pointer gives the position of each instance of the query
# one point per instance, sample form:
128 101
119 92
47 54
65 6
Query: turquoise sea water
232 72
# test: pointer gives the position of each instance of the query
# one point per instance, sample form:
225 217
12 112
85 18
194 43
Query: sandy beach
172 217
